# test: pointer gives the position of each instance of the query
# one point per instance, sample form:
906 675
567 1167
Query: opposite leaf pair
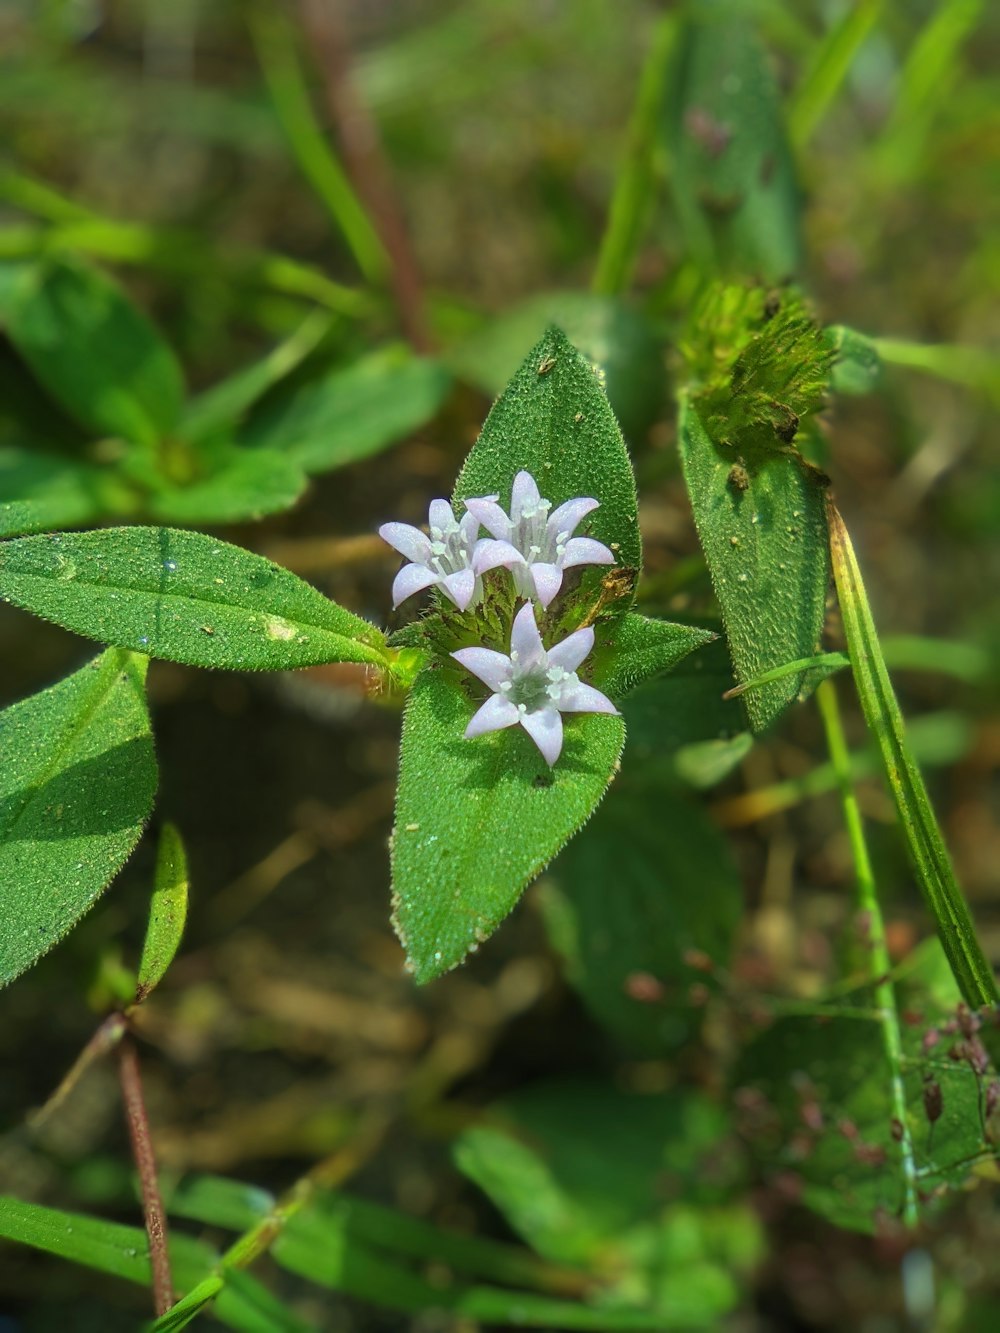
536 546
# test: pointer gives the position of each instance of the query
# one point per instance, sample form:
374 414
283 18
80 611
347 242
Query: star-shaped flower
444 558
533 544
533 687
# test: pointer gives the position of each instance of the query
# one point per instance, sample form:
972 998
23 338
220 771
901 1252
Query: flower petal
495 714
440 515
492 668
573 649
523 495
586 551
411 579
469 526
547 579
525 640
546 730
407 540
569 515
580 698
488 554
491 516
459 587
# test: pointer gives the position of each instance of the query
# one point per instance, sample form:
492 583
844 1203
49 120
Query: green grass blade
829 68
920 828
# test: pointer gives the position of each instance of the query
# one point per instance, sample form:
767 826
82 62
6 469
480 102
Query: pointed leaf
732 170
762 525
167 912
182 596
351 413
93 350
76 788
554 420
247 485
476 820
636 648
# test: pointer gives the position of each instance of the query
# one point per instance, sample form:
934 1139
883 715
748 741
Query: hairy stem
883 992
142 1150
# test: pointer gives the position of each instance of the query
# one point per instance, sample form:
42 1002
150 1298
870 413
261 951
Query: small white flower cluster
532 687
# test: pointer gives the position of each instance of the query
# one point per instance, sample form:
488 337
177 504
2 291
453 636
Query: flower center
529 690
529 535
449 549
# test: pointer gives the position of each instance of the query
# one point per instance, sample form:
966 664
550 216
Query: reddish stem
142 1151
361 147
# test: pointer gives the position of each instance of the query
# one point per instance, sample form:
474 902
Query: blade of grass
629 203
828 69
274 42
882 990
920 828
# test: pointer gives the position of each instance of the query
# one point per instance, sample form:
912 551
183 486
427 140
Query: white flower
533 687
444 558
533 544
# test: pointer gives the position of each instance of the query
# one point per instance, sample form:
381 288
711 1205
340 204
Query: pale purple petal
495 714
493 669
469 528
523 495
580 698
411 579
460 586
573 649
488 554
569 515
407 540
547 579
586 551
491 516
440 515
525 640
546 730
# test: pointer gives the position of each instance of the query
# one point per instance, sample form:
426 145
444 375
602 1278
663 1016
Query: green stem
924 841
631 197
274 41
882 989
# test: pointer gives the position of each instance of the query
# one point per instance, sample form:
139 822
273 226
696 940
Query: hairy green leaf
640 898
554 420
182 596
167 912
76 788
351 413
476 820
761 521
635 648
93 350
732 171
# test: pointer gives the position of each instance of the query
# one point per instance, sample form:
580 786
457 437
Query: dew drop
170 566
